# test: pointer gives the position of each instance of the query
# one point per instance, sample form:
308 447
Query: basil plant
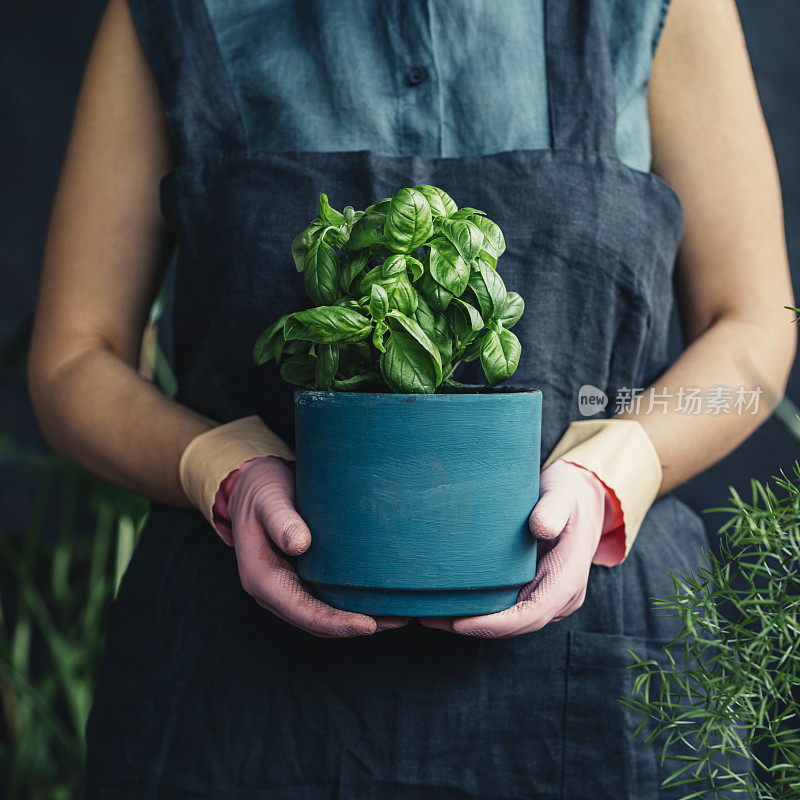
404 291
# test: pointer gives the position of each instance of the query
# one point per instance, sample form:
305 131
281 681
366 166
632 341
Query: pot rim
494 394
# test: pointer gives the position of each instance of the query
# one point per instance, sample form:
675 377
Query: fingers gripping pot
418 504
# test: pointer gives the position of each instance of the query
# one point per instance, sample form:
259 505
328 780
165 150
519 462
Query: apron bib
205 695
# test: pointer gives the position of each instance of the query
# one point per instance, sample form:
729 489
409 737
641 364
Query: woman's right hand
266 526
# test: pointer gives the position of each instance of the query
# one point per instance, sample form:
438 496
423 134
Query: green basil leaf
293 348
355 357
299 370
336 235
377 335
465 320
303 241
424 317
327 365
402 295
488 258
397 321
438 297
465 235
393 265
379 252
512 310
489 290
469 295
349 215
494 242
378 302
321 273
357 383
447 266
500 354
441 335
372 276
382 206
466 213
407 366
351 269
329 215
348 302
473 351
442 205
327 325
278 348
396 264
415 267
367 231
264 348
408 221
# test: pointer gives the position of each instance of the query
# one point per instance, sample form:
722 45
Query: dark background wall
43 45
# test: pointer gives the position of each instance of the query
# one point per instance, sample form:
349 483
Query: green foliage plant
58 576
58 586
403 293
725 691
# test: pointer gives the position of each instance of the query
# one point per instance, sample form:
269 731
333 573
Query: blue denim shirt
417 77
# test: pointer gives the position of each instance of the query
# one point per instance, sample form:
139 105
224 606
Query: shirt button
416 75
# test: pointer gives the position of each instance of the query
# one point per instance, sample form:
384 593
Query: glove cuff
212 456
622 457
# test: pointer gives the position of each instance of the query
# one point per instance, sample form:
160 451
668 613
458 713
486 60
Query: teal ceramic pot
418 504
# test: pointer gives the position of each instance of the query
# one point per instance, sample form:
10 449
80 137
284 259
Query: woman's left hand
567 522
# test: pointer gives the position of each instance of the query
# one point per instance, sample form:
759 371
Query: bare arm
106 247
710 142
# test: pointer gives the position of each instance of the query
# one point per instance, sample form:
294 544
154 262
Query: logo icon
591 400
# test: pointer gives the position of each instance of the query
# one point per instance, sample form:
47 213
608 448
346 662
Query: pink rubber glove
574 511
254 511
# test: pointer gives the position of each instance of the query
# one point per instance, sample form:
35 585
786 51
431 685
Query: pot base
418 603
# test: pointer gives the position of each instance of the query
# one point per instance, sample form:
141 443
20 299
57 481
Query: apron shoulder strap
204 117
580 78
193 83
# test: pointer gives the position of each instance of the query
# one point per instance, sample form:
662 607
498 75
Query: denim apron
205 695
